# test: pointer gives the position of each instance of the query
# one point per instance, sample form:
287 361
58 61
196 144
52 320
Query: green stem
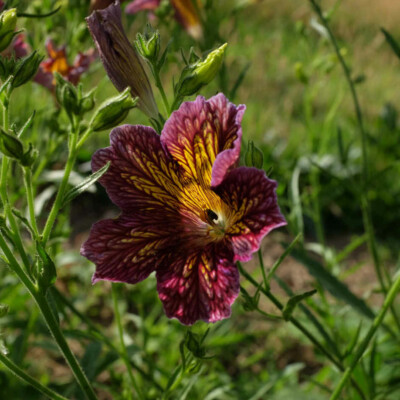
370 334
17 241
64 183
156 74
121 339
28 379
84 137
261 260
51 321
300 327
365 207
30 199
104 338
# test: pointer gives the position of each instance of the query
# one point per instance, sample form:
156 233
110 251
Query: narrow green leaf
239 81
337 288
351 346
27 124
77 190
24 220
392 42
293 301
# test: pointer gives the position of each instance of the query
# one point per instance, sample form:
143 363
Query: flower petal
204 137
200 286
252 195
140 5
141 176
124 249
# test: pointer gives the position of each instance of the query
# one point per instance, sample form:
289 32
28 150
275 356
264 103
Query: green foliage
299 126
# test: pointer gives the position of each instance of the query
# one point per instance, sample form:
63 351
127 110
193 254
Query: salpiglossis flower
57 62
188 212
185 13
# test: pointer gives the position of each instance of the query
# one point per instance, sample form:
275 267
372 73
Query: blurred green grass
293 123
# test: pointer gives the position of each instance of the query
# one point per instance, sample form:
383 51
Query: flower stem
300 327
17 241
368 225
368 337
156 74
51 321
64 183
121 339
102 337
29 196
28 379
84 137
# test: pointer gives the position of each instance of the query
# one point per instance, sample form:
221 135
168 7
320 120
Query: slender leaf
77 190
337 288
392 42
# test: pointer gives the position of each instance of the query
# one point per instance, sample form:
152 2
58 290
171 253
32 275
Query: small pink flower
188 211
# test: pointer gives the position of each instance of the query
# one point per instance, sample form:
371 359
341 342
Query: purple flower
120 60
188 212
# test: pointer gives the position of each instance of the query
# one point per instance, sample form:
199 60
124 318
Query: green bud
254 156
26 69
67 95
113 111
87 102
250 303
7 67
300 73
46 270
3 310
8 22
29 157
148 45
10 145
193 343
199 74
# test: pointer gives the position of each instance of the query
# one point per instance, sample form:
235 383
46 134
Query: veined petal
200 285
141 177
204 137
256 212
124 249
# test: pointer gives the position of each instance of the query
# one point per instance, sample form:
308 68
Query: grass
295 122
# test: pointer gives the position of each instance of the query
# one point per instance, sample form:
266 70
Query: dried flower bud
113 111
199 74
8 22
120 59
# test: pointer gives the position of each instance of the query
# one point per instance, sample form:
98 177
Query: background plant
295 67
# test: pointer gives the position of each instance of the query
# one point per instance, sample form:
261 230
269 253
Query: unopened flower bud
10 145
26 69
113 111
67 95
120 59
87 102
300 73
254 156
148 45
8 22
201 73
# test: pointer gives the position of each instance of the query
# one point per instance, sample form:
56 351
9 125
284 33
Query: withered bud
119 57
